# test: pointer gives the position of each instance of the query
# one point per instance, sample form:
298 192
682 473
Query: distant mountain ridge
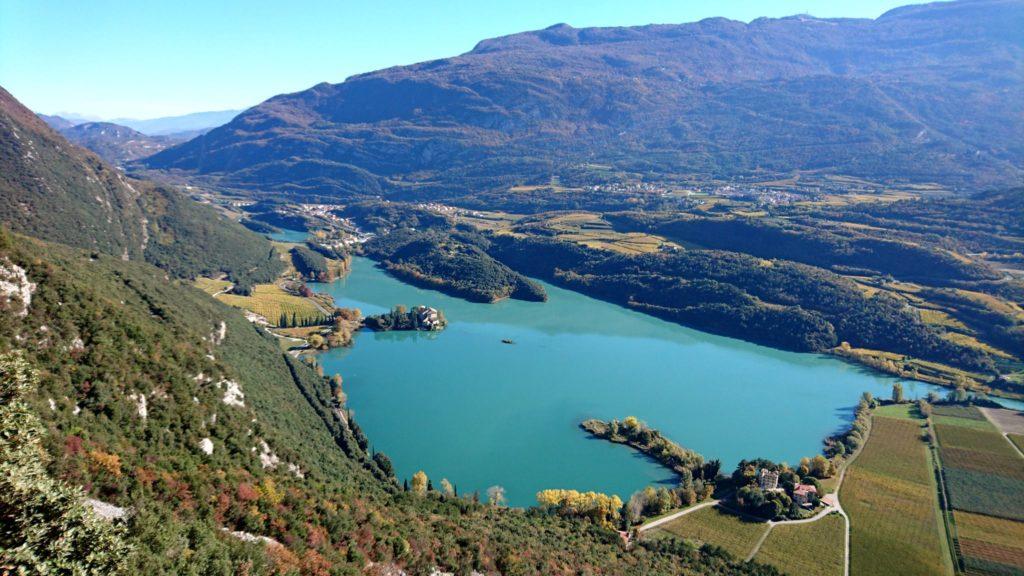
57 122
115 143
52 189
183 126
924 93
196 123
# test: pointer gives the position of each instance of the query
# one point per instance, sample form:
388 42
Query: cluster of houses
768 480
428 318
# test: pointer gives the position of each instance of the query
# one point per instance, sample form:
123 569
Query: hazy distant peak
184 123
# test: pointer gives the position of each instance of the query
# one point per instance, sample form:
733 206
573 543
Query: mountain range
183 126
923 93
118 144
195 122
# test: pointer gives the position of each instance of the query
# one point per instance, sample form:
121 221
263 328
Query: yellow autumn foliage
419 483
599 508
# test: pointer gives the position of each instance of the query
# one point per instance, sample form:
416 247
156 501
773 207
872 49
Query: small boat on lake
507 341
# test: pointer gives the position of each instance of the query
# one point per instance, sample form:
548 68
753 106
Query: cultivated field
905 411
591 230
984 478
1008 421
814 549
211 286
713 525
965 412
269 301
891 498
990 545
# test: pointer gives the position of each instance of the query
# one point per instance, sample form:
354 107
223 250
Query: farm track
1001 427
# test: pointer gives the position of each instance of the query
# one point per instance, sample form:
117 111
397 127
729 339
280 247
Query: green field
970 438
813 549
713 525
891 498
1018 440
269 301
962 412
906 411
211 286
983 425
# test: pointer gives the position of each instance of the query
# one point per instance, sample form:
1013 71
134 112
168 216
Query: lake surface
286 235
462 405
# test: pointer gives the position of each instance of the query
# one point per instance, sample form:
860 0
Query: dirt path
1007 422
839 504
835 506
671 517
772 524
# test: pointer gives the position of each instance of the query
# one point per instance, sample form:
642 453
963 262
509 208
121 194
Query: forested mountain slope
164 401
221 453
55 190
928 93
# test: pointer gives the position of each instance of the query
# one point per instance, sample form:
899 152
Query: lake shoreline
575 357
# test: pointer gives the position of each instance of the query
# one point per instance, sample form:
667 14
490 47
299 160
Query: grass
891 498
972 342
269 301
1018 440
591 230
965 412
814 549
211 286
917 369
713 525
488 221
980 425
940 318
905 411
995 304
952 436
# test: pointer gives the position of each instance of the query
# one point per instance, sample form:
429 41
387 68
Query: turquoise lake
286 235
462 405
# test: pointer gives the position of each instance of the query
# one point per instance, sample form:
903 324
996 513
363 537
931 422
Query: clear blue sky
147 58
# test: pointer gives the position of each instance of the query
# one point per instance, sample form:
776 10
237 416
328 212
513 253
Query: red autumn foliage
247 492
